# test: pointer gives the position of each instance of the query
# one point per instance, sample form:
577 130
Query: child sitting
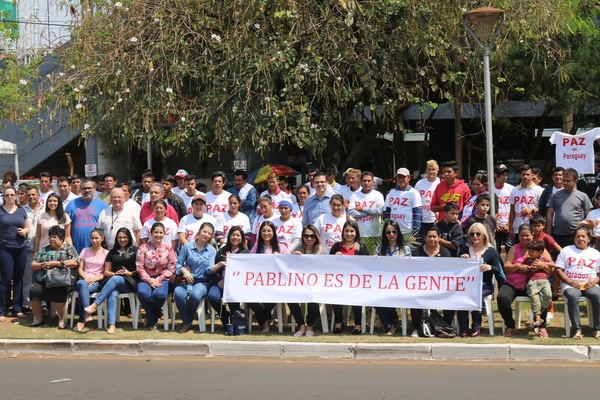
538 286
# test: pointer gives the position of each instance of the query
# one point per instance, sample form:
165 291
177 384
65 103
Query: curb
281 349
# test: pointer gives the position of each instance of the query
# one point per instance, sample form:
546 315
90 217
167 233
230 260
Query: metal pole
489 137
149 155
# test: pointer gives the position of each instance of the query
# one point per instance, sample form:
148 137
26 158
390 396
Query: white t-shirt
401 203
346 192
297 211
178 191
44 196
330 228
133 206
170 230
225 222
576 151
578 265
69 198
288 232
258 222
426 189
276 198
216 204
191 225
369 220
594 215
467 210
187 200
110 222
520 198
503 196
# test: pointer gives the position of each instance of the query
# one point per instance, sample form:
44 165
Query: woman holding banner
392 244
311 244
266 244
351 245
431 248
479 246
516 281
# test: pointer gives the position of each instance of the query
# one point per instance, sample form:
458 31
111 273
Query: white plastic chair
346 312
403 321
133 305
74 296
322 312
201 310
169 310
489 312
279 307
568 320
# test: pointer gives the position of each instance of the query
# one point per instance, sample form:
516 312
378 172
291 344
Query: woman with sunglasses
392 244
480 246
311 244
351 245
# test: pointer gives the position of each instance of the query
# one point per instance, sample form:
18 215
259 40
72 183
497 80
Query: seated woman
392 244
311 244
155 263
233 245
516 280
266 244
578 266
350 245
479 245
195 264
56 254
119 269
91 273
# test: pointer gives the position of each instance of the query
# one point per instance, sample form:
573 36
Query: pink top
518 280
93 262
283 249
156 262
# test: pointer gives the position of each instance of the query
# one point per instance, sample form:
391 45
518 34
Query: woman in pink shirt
91 273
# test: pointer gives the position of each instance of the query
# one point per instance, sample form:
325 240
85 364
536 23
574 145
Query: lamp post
484 24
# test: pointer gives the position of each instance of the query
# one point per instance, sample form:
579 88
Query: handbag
58 277
433 324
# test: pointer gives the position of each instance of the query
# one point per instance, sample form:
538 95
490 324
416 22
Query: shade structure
260 175
10 149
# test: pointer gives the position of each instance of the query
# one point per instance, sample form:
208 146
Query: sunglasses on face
472 234
308 236
391 232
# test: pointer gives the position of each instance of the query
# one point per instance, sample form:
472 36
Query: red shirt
146 213
345 251
444 193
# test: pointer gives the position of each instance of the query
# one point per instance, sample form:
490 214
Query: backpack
433 324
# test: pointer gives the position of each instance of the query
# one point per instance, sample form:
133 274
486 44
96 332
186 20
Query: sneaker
415 333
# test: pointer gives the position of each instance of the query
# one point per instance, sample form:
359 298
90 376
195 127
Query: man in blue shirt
247 194
84 212
318 204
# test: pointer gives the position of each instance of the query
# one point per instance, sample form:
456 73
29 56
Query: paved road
29 377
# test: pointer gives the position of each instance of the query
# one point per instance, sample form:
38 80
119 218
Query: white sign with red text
407 282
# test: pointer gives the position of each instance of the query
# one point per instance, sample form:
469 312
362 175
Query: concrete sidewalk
291 350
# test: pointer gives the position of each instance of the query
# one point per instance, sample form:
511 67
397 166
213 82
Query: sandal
578 335
510 332
543 333
596 334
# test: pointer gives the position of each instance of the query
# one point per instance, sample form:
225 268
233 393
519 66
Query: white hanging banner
406 282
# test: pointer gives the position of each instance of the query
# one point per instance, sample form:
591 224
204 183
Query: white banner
406 282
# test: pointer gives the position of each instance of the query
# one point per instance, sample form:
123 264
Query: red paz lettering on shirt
335 228
219 208
524 200
364 204
574 141
285 229
191 233
399 201
503 199
425 193
580 262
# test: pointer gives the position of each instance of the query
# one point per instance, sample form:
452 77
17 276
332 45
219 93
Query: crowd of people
172 237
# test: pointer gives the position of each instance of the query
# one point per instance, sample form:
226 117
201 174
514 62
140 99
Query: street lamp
484 24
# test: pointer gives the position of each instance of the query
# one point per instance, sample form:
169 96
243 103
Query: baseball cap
403 172
500 168
199 196
285 203
182 173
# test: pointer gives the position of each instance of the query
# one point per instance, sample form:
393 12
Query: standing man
75 182
130 203
425 187
524 201
450 189
247 194
190 224
557 184
217 200
143 196
64 190
190 192
34 209
330 174
566 209
169 184
84 212
180 180
403 204
118 216
502 192
110 181
45 187
366 207
352 185
318 204
156 193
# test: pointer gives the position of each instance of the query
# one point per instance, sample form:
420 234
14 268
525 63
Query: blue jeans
215 294
388 316
114 287
12 267
84 290
187 298
153 299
